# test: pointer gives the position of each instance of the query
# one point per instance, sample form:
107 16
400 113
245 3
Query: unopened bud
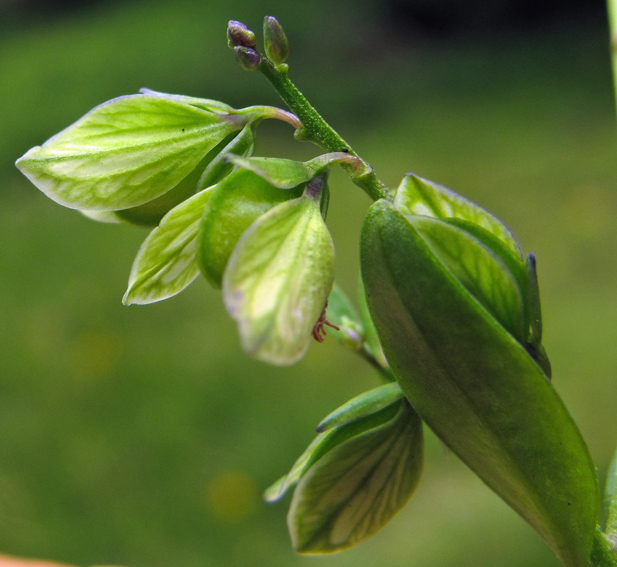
275 41
247 57
239 35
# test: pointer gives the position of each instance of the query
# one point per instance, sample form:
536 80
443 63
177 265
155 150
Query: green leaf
282 173
324 443
281 486
603 553
287 173
278 280
371 343
417 196
152 212
482 273
535 310
477 387
203 103
208 172
166 263
610 498
125 152
219 167
511 260
357 487
359 407
235 204
102 216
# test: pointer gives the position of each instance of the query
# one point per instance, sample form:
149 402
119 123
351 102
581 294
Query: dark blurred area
406 18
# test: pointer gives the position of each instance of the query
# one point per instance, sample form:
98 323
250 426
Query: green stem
612 21
315 129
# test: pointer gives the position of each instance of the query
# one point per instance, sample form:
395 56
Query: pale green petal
278 280
125 152
166 263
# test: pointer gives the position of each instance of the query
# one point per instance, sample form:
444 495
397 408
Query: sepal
287 173
476 386
237 201
166 262
126 152
278 279
353 479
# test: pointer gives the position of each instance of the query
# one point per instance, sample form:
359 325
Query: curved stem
315 129
274 112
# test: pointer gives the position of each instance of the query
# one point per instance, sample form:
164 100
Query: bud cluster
243 42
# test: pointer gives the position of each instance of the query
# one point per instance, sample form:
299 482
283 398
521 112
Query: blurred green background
143 436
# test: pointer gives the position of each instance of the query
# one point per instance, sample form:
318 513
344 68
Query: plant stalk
315 129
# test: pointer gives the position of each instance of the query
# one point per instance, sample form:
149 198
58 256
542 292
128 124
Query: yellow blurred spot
93 355
588 211
231 496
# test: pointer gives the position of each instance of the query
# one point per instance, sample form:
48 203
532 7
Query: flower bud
238 34
247 57
275 41
445 294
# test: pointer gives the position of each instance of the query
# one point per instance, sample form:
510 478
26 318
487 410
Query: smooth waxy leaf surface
371 340
610 498
203 103
208 172
235 204
358 486
604 552
482 273
278 280
535 309
125 152
287 173
109 217
324 443
417 196
359 407
477 387
242 144
166 262
152 212
282 173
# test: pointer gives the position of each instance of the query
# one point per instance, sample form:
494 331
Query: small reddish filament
319 332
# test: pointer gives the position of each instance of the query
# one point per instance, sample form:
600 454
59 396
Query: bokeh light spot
231 496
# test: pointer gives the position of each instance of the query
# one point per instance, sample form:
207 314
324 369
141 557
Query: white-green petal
278 279
482 273
166 262
357 487
204 103
125 152
417 196
287 173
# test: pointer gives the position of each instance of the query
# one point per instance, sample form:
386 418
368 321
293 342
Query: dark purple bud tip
275 41
238 34
247 57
